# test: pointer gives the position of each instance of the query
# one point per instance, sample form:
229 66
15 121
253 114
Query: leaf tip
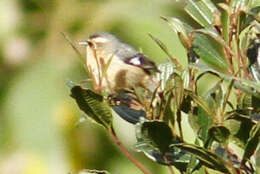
164 18
70 84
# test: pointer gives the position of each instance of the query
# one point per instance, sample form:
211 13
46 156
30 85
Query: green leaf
173 94
202 103
238 4
174 156
154 138
256 104
225 21
215 97
211 32
208 158
157 133
182 29
87 171
210 52
248 86
168 113
245 103
93 105
252 143
239 126
204 123
175 85
178 90
165 49
166 71
219 134
193 165
202 11
251 16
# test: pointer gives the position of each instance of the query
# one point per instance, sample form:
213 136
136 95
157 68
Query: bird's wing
143 62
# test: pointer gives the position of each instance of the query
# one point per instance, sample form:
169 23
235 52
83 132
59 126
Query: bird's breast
111 74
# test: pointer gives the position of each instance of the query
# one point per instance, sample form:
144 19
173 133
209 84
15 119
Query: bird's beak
85 43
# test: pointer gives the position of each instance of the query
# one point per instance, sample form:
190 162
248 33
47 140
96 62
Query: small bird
116 66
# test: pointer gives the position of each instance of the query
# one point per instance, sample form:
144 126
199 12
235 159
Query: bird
116 66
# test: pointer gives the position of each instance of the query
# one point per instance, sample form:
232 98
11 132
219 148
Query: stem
227 97
229 59
124 150
169 166
179 123
170 169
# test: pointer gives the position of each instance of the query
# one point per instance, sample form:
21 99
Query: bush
223 118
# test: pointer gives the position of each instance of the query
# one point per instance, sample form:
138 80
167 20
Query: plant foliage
226 46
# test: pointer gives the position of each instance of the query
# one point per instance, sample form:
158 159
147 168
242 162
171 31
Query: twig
168 165
81 57
226 97
124 150
73 46
179 123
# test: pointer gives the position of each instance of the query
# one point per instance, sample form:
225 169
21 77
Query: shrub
223 118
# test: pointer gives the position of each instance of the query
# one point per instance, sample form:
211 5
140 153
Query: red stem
124 150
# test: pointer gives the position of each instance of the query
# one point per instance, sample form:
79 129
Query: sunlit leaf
239 126
93 105
211 32
202 103
243 84
201 116
208 158
219 134
174 156
225 21
193 165
237 4
203 11
182 29
175 85
165 49
168 113
252 143
166 70
204 122
209 52
154 138
215 97
173 94
252 15
157 133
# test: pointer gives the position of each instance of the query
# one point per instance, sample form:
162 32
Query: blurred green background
39 130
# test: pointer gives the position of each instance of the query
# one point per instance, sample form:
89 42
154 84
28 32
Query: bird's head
102 41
